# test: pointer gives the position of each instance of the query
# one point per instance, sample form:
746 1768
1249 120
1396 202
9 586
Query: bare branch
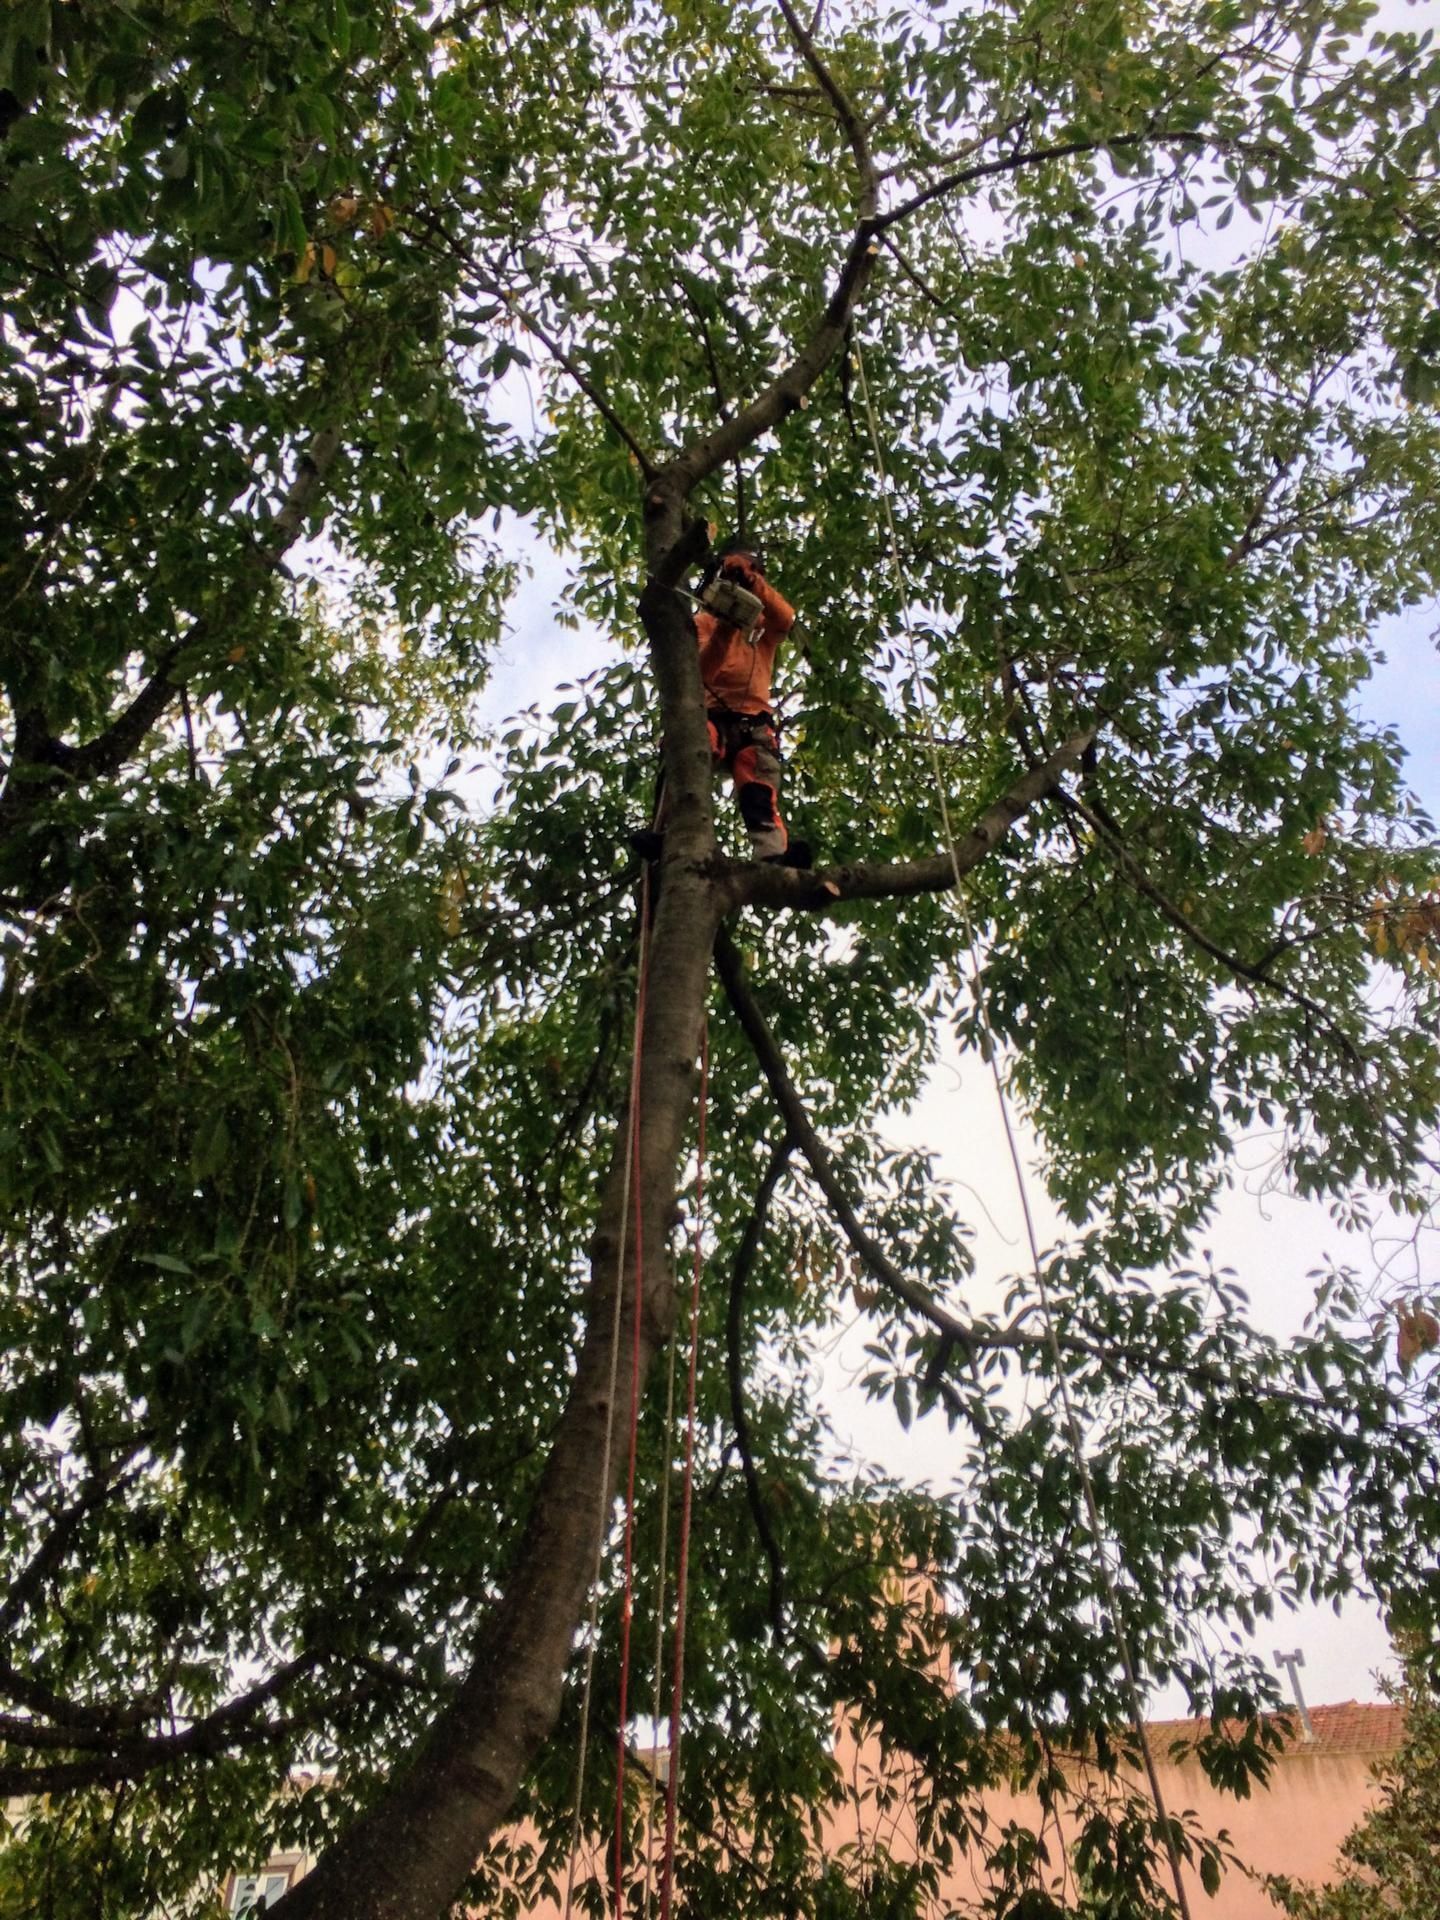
827 887
976 144
592 393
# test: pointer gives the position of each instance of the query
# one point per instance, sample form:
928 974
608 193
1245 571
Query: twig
1111 836
488 283
1033 157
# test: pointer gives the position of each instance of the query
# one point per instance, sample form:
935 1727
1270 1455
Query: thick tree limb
105 1721
1121 1361
64 1776
98 1758
744 1260
134 1761
109 1729
826 887
790 388
854 128
51 1551
817 1156
105 754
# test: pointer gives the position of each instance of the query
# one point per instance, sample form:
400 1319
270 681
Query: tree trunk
408 1856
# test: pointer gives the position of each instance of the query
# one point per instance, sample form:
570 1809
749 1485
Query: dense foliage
314 1026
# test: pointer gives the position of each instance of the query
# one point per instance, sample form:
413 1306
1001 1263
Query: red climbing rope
637 1194
683 1551
677 1686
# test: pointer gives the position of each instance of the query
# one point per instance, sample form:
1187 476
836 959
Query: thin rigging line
677 1685
663 1559
628 1605
1077 1450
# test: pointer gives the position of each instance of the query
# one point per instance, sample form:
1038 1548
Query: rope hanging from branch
627 1611
628 1182
677 1682
632 1230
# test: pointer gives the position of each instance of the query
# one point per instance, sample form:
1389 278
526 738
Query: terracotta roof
1352 1726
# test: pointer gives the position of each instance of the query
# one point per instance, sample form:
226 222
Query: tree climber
739 627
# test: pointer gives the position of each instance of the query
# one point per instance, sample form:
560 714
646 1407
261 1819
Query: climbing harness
1072 1425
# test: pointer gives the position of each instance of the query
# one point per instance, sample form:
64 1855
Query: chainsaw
728 600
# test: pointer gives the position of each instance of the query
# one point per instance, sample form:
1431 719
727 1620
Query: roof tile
1351 1726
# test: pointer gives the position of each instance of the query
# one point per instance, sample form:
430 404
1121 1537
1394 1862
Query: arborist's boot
797 855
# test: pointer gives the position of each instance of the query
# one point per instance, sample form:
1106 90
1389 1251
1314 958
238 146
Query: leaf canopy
315 1018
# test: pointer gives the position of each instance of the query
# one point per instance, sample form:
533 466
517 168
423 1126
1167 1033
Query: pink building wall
1317 1791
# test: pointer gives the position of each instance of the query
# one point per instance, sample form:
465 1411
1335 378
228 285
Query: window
255 1892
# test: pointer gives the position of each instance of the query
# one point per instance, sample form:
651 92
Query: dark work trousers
748 746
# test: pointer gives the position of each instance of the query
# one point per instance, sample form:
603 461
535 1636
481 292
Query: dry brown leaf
1418 1332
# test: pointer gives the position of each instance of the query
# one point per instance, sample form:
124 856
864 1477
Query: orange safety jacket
737 667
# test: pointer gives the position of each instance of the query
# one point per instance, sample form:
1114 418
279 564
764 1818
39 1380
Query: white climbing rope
1072 1425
